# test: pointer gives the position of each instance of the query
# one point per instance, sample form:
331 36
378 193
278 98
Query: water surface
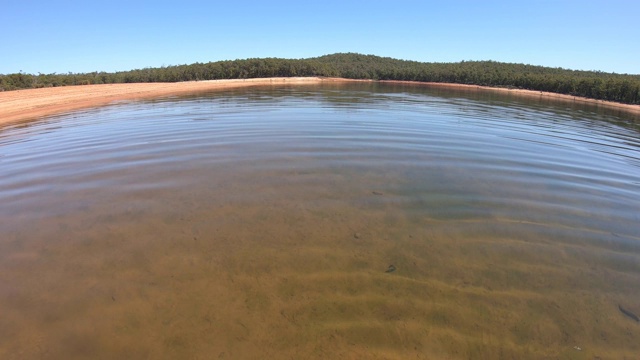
259 223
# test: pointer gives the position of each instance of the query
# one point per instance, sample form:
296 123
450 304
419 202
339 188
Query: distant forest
591 84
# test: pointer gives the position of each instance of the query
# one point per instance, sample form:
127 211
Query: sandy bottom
25 105
304 276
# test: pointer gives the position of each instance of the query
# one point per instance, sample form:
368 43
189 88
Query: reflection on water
261 223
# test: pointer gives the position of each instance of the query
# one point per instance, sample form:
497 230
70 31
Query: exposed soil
24 105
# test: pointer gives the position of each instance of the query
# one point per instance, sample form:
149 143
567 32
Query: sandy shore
634 109
25 105
30 104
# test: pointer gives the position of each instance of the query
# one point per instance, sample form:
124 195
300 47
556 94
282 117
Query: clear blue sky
108 35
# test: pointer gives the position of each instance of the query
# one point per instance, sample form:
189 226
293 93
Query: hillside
591 84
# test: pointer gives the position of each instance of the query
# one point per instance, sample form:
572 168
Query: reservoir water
368 221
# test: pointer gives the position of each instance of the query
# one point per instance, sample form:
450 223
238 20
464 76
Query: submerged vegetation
592 84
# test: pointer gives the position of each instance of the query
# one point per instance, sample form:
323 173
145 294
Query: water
259 223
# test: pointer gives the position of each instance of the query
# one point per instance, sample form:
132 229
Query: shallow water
260 223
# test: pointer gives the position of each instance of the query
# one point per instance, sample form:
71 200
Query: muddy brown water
263 222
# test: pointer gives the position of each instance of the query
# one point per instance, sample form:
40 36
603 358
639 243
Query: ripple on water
224 224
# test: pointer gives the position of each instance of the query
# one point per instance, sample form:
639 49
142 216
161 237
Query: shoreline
20 106
634 109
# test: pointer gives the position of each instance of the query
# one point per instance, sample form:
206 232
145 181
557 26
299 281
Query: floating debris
390 269
377 193
628 313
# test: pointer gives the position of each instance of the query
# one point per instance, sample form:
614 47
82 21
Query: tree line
591 84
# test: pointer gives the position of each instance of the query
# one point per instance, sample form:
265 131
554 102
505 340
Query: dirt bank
24 105
634 109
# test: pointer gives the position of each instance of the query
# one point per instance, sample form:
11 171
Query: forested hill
591 84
